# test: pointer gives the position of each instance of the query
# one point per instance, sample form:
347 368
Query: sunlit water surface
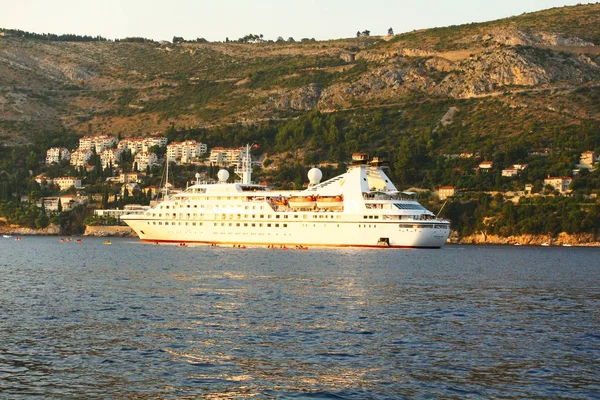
133 320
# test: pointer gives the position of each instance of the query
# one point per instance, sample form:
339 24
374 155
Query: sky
233 19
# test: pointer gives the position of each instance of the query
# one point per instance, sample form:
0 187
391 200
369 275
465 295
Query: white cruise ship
360 208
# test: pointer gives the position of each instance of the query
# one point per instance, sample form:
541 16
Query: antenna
439 212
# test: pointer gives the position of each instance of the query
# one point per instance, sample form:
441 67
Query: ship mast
244 168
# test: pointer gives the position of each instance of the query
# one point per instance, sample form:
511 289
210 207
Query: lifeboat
279 201
330 202
302 202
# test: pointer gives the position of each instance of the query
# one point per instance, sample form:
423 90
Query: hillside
133 88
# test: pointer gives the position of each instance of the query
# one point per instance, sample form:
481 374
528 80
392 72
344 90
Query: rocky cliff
132 88
563 239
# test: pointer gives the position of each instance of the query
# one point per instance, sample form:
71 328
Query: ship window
253 225
193 223
230 224
222 224
188 206
167 207
160 223
276 225
262 216
253 216
260 225
268 225
277 216
195 205
285 225
285 216
245 224
237 224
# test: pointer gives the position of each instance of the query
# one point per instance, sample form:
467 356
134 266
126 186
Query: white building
136 145
159 141
80 158
587 160
55 154
510 172
144 159
185 152
486 165
110 157
67 202
66 182
135 177
446 191
560 183
225 157
128 209
98 143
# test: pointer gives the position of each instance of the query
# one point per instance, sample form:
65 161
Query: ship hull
332 234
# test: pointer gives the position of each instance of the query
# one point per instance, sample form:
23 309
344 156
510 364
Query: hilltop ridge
138 88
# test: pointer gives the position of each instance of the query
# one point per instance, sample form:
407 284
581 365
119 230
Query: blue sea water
134 320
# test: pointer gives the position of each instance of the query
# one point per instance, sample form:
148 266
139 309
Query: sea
141 321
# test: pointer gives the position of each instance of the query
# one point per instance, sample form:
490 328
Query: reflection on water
135 320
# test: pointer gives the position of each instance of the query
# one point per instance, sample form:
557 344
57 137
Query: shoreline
562 240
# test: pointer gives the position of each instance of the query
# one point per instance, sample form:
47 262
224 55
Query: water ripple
147 321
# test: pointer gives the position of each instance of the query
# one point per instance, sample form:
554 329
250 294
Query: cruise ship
360 208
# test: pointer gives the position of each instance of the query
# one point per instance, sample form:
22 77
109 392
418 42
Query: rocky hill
494 78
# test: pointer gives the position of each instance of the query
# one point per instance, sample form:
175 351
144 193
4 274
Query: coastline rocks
577 239
104 231
23 231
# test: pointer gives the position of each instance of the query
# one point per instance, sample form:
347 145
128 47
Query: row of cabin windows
239 216
253 225
216 224
177 205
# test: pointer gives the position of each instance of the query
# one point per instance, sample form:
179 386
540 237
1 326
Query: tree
366 32
291 40
178 39
390 32
358 33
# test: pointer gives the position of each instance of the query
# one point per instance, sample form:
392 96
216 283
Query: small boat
6 236
301 248
302 202
518 244
79 240
330 202
18 239
545 244
567 245
107 242
183 245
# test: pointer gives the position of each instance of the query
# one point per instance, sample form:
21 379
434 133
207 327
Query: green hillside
519 90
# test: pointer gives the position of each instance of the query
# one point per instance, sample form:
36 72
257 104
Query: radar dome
314 176
223 175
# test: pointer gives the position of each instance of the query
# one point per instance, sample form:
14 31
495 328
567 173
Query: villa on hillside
446 191
560 183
